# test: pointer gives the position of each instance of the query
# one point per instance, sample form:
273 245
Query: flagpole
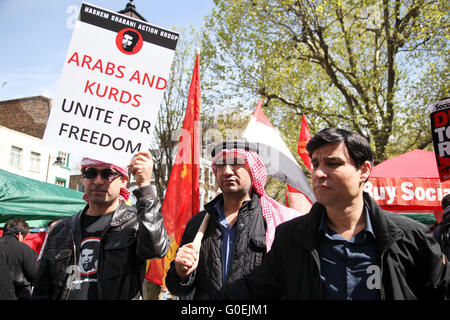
199 236
201 231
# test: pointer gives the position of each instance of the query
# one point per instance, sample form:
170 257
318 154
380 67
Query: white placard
111 86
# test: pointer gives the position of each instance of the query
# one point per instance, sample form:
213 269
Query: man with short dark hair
21 259
346 247
100 253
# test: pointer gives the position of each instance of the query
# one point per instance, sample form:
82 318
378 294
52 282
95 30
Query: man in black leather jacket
101 252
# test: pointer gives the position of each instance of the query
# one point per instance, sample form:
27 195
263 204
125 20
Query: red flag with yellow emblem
182 200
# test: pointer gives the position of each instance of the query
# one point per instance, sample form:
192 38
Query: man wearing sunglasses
101 252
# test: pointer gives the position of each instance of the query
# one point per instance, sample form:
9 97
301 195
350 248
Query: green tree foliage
371 66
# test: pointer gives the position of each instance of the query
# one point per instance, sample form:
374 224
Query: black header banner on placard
116 22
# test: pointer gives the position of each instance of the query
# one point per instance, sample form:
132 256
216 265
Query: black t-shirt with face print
84 286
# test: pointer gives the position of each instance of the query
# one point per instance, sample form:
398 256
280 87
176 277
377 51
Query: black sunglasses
106 174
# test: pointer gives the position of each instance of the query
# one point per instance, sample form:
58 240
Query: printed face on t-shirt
89 256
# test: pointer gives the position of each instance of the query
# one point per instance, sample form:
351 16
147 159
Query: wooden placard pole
199 236
201 231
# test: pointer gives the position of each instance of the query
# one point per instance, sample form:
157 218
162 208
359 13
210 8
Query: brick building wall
27 115
76 181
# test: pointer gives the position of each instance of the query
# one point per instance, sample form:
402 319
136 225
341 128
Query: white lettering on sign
379 193
408 192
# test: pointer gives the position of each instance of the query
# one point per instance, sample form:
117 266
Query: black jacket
134 235
442 231
7 291
411 263
249 249
22 265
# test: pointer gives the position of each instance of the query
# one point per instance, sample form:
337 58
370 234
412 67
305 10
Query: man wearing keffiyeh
241 228
101 252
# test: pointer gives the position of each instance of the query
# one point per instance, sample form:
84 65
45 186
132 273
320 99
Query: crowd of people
345 248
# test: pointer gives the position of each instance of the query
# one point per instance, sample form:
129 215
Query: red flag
303 139
294 198
182 200
287 170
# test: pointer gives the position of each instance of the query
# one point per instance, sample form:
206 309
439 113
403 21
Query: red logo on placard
129 41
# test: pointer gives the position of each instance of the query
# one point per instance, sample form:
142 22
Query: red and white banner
408 182
408 192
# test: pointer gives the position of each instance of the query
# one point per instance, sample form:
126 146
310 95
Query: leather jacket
134 235
249 249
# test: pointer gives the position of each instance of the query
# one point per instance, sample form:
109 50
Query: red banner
412 193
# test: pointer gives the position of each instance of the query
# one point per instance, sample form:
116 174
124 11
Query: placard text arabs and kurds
118 71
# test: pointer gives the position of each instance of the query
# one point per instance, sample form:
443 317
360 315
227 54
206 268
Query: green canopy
427 218
34 201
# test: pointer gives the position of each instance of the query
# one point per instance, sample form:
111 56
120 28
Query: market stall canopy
409 184
34 201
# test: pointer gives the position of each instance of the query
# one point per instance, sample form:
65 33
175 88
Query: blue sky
36 35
